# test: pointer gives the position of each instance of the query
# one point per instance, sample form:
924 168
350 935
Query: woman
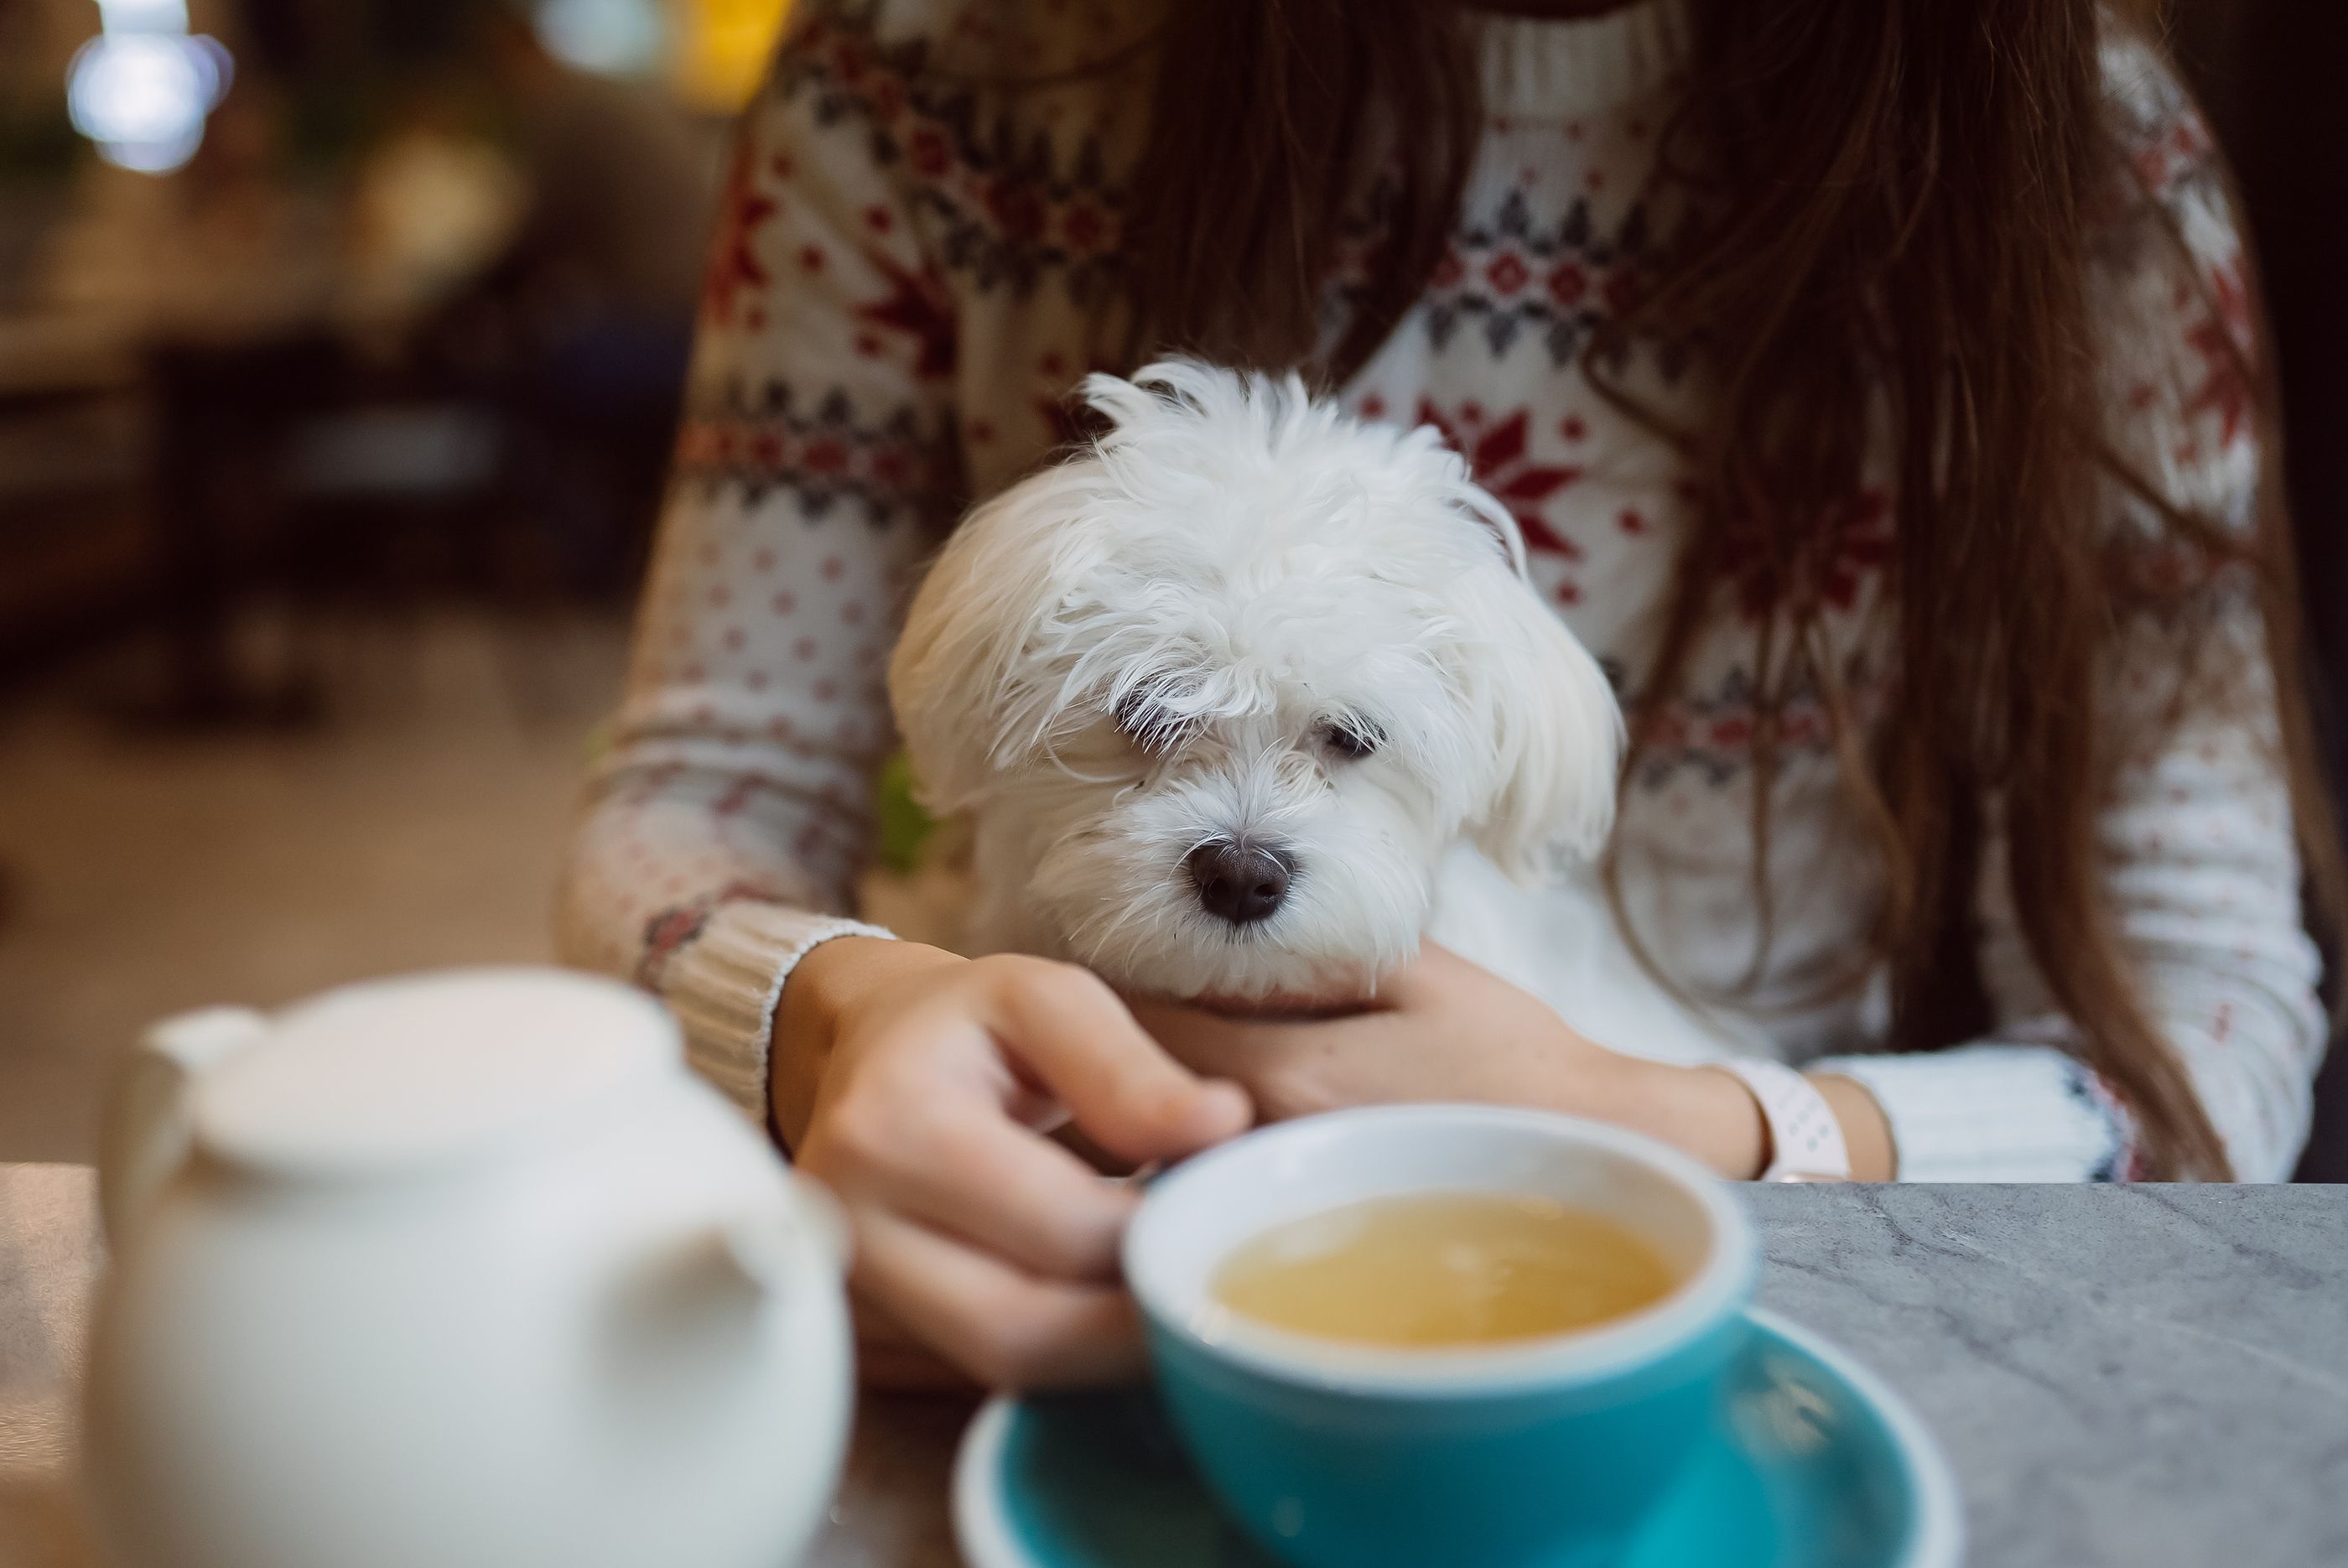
1872 379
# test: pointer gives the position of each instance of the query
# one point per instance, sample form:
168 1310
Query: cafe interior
341 347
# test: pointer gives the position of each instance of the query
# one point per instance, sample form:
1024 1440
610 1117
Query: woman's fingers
976 1174
1073 1034
987 1241
1006 1327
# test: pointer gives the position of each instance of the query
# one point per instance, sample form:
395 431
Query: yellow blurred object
722 49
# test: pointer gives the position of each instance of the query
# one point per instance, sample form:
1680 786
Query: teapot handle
680 1311
147 1128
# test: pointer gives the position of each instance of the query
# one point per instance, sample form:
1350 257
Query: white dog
1249 695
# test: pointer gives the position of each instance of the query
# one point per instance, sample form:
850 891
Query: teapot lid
396 1073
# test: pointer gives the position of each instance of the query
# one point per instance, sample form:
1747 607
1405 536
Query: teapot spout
146 1129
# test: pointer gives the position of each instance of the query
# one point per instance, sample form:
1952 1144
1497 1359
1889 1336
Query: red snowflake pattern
918 304
735 267
2164 159
1496 454
2223 343
1856 541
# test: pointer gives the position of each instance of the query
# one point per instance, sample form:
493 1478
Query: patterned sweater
906 267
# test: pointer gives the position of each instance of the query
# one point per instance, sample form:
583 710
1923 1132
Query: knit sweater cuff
1994 1113
725 986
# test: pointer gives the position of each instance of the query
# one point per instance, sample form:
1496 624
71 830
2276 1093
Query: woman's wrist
825 987
837 975
1866 1133
1713 1117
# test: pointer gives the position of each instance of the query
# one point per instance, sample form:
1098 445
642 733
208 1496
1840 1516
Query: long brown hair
1897 199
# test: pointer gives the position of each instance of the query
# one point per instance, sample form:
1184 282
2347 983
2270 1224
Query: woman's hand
1444 1030
918 1086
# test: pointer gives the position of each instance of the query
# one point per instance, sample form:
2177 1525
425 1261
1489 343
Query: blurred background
340 348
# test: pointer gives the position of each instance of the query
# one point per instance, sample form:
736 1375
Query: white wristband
1806 1142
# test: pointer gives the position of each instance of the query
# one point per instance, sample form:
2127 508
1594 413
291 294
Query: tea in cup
1454 1335
1443 1270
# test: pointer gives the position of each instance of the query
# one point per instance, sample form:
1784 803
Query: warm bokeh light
712 51
722 49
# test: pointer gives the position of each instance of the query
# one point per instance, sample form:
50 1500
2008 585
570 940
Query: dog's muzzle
1240 881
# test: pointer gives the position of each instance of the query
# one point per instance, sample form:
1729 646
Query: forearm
1449 1030
1713 1117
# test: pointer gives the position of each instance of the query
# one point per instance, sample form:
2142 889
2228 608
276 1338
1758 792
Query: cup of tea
1441 1335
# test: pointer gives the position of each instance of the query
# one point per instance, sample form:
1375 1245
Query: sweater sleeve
2202 876
2200 859
728 812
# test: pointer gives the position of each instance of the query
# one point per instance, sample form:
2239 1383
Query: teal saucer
1815 1464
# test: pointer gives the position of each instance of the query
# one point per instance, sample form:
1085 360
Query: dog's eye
1352 739
1142 718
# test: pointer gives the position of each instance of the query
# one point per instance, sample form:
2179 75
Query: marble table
2133 1377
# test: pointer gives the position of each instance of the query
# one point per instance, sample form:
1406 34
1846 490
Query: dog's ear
964 682
1554 727
1000 645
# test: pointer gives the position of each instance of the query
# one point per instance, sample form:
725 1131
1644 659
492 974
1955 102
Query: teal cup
1536 1453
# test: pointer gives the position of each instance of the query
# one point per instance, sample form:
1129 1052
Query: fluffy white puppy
1237 696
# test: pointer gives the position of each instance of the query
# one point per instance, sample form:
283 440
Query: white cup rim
1713 1293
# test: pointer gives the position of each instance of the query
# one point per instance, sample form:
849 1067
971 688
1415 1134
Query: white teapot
464 1269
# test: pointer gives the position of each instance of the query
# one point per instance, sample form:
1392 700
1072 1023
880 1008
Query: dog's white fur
1156 644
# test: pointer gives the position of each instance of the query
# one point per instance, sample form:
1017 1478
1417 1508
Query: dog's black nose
1240 882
